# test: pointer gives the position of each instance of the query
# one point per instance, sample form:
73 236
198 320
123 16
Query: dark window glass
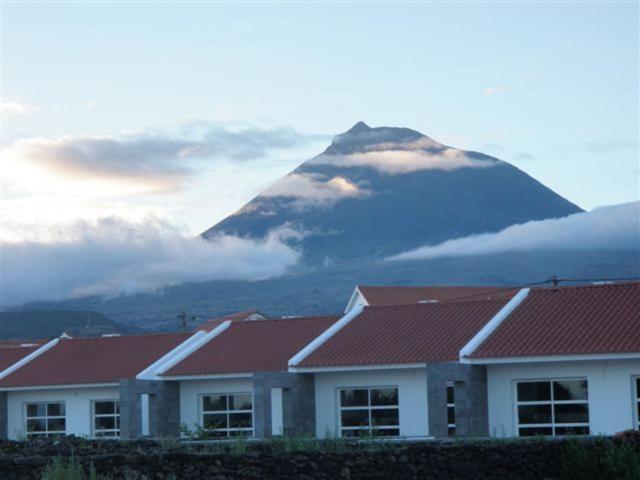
213 421
105 423
213 403
36 425
240 402
56 424
450 394
37 410
355 418
106 434
532 432
638 388
451 415
384 396
354 433
571 413
386 417
104 408
241 433
570 390
218 433
572 430
55 409
452 431
534 414
240 420
534 391
354 398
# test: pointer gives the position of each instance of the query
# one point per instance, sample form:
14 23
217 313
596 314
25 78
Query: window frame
46 433
551 402
228 430
115 415
370 428
451 427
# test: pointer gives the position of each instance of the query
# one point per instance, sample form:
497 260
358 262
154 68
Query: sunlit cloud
307 188
147 161
615 227
416 156
113 256
11 109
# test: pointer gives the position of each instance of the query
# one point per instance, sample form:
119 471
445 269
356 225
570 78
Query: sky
180 113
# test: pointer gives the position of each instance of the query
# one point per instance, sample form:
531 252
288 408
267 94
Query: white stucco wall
611 406
412 398
77 404
191 390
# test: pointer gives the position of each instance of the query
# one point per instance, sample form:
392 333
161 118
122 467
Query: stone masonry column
470 392
164 408
4 416
298 403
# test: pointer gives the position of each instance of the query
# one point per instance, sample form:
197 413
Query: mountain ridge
420 190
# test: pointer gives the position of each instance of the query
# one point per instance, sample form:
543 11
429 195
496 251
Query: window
554 407
106 418
369 411
637 402
45 418
451 409
227 415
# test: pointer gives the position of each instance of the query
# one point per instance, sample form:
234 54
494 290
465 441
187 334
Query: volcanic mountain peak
361 138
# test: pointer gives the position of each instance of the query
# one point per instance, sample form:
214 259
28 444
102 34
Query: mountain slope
37 324
375 192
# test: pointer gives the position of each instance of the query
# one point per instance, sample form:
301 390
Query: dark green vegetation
39 324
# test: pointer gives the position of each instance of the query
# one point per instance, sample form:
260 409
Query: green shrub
599 459
61 469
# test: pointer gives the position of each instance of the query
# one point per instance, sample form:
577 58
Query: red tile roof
569 320
244 315
401 334
10 355
94 360
259 345
377 296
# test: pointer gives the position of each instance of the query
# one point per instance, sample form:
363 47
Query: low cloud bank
112 257
398 158
615 227
153 157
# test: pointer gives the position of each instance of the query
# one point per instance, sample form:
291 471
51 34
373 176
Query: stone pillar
4 416
470 391
164 408
298 400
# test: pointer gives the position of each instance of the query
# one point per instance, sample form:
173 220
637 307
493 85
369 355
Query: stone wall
489 460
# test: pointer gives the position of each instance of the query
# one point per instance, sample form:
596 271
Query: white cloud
314 189
11 109
158 160
396 161
112 256
615 227
495 90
